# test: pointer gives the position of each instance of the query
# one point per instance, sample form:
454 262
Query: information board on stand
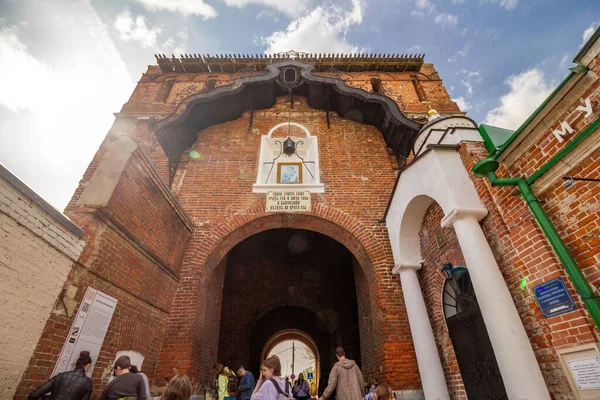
87 331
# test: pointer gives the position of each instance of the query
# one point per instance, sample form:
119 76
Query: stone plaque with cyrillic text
288 201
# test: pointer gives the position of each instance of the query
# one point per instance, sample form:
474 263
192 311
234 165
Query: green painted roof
494 137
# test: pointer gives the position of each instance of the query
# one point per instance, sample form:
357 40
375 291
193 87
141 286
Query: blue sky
67 65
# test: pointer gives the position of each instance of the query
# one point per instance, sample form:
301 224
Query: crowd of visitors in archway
345 382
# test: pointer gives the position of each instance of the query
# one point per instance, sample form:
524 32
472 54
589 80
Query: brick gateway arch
212 250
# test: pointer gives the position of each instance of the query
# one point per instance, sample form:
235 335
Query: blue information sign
553 298
310 376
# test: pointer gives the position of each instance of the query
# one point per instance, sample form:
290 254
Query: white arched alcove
136 358
438 174
272 158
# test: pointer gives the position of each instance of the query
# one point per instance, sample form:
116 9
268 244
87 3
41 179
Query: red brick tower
173 209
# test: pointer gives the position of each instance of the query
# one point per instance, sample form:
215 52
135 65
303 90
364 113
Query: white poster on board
586 372
87 331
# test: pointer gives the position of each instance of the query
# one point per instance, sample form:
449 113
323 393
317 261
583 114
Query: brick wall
141 206
36 254
134 244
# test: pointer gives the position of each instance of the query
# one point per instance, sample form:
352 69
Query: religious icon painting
289 172
440 239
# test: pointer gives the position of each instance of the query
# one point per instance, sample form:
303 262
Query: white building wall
36 254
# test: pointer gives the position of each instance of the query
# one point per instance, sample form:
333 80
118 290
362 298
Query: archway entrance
298 352
474 353
291 284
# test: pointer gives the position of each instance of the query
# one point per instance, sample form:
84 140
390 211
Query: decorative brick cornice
166 193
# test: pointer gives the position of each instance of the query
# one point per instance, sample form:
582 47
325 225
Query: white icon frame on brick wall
270 156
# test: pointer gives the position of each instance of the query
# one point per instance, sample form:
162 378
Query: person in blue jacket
246 386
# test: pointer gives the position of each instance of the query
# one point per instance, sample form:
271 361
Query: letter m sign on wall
564 129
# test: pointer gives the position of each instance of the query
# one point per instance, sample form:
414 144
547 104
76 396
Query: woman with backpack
301 391
270 385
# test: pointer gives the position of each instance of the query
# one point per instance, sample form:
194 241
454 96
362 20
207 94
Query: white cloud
446 20
491 33
322 30
507 4
185 7
462 52
17 65
462 103
587 34
267 14
527 91
175 45
564 62
458 1
418 14
136 29
77 80
413 49
425 5
291 8
469 79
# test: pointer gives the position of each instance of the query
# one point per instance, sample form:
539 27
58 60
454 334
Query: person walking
178 388
246 383
134 370
128 385
345 377
271 385
71 385
301 390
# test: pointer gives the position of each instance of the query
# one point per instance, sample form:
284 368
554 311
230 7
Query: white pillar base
428 359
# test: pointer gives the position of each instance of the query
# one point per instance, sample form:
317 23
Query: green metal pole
487 168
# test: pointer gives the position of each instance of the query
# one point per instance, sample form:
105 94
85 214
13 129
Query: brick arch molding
214 245
209 246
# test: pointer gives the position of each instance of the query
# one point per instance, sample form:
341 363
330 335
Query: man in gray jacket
346 378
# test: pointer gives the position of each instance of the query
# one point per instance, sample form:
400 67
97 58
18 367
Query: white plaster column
428 359
516 360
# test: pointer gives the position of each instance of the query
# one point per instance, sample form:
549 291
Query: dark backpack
233 385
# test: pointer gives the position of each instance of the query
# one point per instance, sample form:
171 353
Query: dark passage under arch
284 279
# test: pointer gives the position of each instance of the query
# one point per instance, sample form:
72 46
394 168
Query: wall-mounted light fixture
447 270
